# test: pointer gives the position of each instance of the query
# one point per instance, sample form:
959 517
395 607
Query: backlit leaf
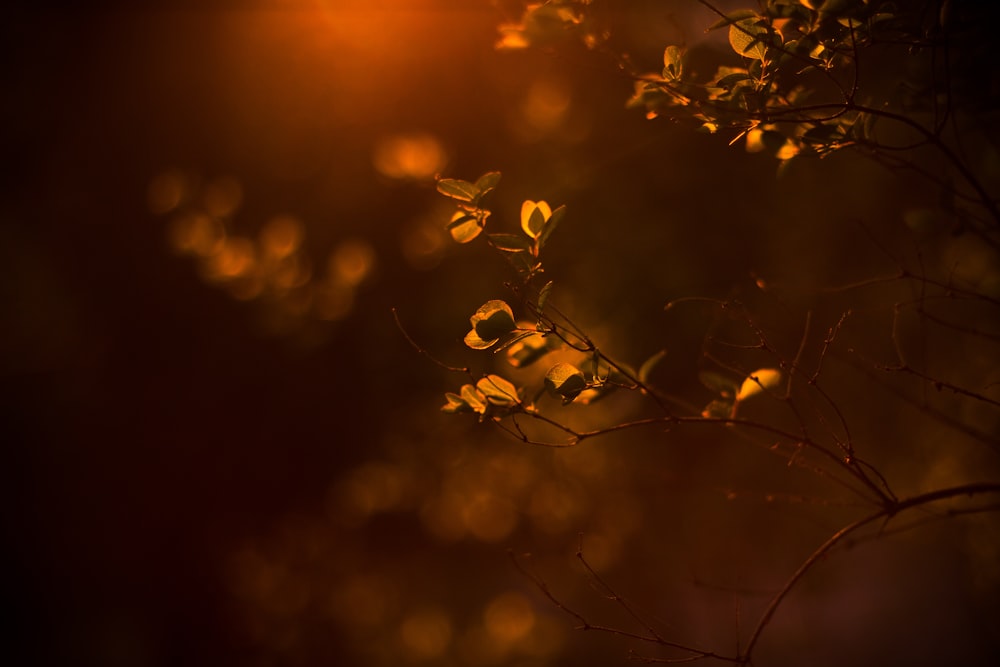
492 320
720 384
672 63
474 399
510 242
745 37
757 382
487 182
550 224
534 215
651 363
498 391
464 227
458 189
565 380
455 403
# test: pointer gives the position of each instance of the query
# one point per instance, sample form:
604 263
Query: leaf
731 80
492 320
455 403
745 38
473 340
673 65
720 384
534 215
458 189
550 225
718 409
651 363
464 227
524 263
510 242
565 380
498 391
474 399
487 182
757 382
543 296
733 17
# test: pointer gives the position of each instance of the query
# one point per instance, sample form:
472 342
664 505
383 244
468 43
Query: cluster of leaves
768 96
538 221
493 326
797 81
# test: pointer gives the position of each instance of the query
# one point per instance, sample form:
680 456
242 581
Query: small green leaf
492 320
718 409
673 65
487 182
498 391
733 17
510 242
720 384
474 399
473 340
550 225
757 382
731 80
458 189
651 363
534 215
543 296
565 380
455 403
745 37
464 227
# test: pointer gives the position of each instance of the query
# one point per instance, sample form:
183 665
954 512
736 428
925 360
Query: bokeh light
418 156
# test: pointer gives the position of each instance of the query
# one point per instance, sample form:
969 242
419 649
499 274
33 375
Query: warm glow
222 197
409 156
235 258
364 600
168 190
333 301
426 633
546 104
509 617
281 236
197 234
423 243
374 487
351 262
489 517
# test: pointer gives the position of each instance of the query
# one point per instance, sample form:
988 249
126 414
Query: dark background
158 430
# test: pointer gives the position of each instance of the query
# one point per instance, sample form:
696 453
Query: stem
887 512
